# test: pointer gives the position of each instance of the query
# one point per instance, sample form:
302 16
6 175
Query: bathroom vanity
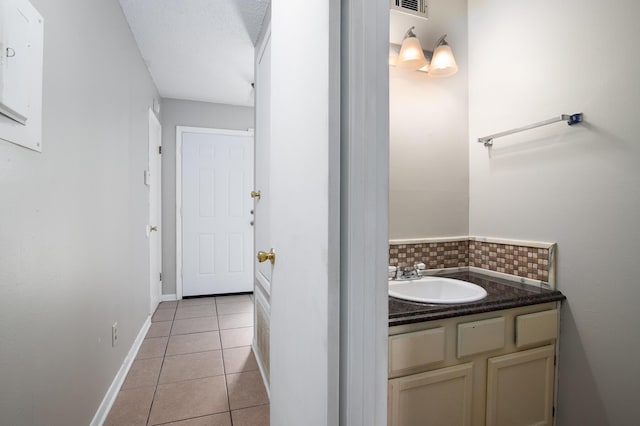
489 362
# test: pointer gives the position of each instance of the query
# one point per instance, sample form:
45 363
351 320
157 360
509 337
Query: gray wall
576 185
187 113
428 118
73 250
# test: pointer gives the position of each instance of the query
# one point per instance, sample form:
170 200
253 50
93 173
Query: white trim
510 277
179 131
110 397
168 297
364 253
427 240
524 243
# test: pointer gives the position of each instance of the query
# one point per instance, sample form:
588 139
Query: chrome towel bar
570 119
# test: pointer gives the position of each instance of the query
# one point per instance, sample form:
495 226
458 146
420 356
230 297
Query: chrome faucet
410 273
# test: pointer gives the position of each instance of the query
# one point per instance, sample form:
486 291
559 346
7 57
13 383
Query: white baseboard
112 392
168 297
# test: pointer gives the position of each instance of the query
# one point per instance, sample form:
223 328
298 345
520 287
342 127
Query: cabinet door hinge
159 149
554 359
160 276
553 411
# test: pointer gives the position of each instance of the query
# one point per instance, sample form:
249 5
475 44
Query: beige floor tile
222 419
131 407
191 366
143 373
194 311
235 321
194 325
232 299
197 301
235 308
188 399
159 329
196 342
152 348
238 360
254 416
168 304
163 315
236 337
246 390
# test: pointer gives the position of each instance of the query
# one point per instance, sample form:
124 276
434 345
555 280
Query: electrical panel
21 65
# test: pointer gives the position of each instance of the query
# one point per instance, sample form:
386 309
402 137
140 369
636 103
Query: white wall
187 113
578 186
73 250
429 153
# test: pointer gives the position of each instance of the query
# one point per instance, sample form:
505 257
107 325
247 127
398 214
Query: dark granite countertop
501 294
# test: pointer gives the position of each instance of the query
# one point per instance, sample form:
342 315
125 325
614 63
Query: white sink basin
436 290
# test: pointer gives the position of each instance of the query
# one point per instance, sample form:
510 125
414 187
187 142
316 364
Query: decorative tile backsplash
530 260
521 261
436 255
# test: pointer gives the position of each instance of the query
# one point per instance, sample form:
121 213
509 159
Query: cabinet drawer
480 336
412 350
536 328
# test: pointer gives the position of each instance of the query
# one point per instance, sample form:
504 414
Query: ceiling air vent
412 7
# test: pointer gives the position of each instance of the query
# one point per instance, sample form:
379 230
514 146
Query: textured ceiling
199 50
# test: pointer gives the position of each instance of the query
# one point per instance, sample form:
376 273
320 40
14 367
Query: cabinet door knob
255 194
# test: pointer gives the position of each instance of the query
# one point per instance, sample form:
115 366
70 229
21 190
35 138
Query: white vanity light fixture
410 56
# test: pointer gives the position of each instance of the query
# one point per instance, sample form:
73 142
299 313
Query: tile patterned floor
195 368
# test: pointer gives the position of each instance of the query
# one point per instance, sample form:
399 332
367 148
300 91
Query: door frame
180 130
154 121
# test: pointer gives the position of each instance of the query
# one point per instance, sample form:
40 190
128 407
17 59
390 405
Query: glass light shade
411 56
443 63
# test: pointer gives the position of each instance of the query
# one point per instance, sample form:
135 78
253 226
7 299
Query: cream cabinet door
520 388
435 398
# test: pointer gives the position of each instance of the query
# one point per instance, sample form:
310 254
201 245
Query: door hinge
554 359
159 149
160 276
553 411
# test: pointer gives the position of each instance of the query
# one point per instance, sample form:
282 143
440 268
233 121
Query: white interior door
217 237
153 180
262 230
303 199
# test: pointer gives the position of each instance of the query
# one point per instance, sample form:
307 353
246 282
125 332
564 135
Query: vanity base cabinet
520 388
440 398
489 369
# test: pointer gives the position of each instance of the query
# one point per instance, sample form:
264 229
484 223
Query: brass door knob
255 194
263 256
153 228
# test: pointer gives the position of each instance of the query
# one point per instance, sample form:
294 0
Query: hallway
195 367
